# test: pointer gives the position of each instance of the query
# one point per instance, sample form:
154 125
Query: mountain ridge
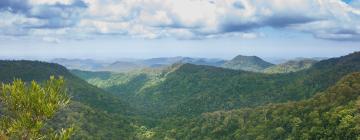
291 66
247 63
212 88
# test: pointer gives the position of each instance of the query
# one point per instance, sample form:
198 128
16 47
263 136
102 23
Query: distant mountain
121 66
81 64
311 58
291 66
203 61
247 63
133 64
163 61
277 60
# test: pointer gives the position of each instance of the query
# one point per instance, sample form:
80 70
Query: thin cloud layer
181 19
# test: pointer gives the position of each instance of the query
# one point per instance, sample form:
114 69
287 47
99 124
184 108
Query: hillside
332 114
291 66
123 83
89 107
247 63
80 90
209 88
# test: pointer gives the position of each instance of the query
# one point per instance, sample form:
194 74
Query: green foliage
90 123
333 114
178 89
79 89
201 102
94 112
90 75
27 108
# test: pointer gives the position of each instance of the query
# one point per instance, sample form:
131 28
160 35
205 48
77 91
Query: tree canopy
26 108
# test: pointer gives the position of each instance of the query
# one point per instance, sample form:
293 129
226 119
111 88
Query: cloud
29 17
51 40
181 19
14 5
58 15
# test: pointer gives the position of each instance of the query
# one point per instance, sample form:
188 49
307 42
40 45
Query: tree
25 109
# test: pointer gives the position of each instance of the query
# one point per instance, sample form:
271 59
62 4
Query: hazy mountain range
129 65
240 62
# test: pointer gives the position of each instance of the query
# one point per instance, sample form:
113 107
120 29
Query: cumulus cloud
181 19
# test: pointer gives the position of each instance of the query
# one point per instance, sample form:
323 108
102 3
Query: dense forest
175 90
187 101
331 114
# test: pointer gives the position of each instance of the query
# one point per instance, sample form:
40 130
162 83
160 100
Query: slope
91 108
332 114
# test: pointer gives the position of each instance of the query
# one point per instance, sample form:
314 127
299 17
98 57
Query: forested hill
247 63
80 90
332 114
192 89
94 111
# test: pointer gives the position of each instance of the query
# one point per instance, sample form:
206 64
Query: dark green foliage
79 89
90 123
332 114
93 111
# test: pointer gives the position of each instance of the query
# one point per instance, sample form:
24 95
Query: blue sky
110 29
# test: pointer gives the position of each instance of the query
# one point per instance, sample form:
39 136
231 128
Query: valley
180 100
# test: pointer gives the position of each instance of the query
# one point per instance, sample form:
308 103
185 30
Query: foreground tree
25 109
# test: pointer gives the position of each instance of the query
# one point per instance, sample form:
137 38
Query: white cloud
194 19
51 40
13 24
39 2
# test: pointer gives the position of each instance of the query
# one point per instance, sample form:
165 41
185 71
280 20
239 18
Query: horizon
273 60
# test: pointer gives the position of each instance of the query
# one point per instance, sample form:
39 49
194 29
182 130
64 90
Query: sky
113 29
